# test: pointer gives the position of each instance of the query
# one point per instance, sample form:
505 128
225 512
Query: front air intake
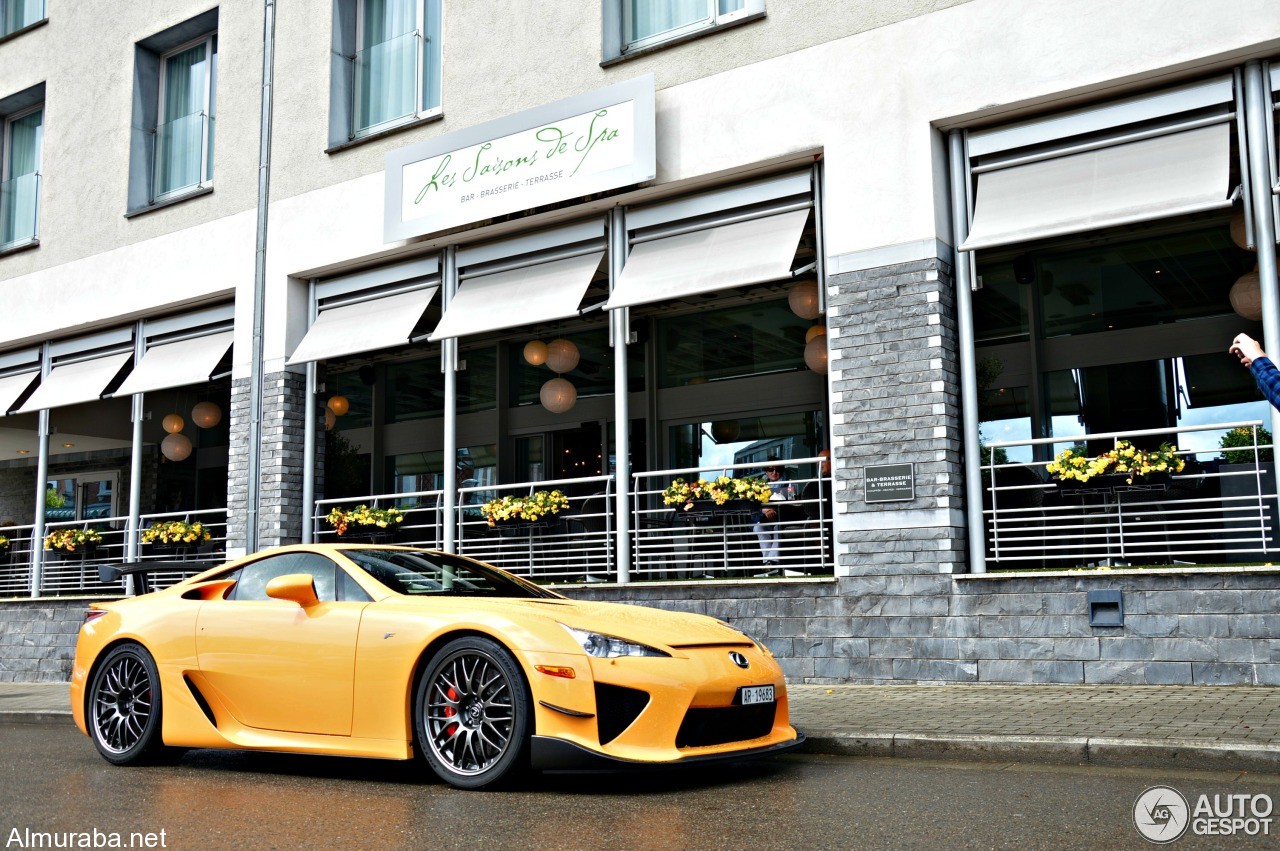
616 708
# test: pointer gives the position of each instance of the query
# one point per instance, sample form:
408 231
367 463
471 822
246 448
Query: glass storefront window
593 375
745 440
424 471
734 342
357 387
1000 307
415 389
1005 414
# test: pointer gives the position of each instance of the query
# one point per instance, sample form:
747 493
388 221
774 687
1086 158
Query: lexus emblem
739 659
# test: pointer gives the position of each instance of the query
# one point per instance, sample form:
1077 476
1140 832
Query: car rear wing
109 573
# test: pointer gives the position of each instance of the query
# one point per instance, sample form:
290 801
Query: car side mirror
298 587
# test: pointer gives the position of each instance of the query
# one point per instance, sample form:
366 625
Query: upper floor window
175 91
632 25
19 14
387 65
184 128
20 144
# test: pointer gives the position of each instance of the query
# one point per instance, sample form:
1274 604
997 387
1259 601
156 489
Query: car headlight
610 646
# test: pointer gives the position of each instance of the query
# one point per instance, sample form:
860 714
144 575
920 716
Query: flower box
519 528
707 510
523 512
363 524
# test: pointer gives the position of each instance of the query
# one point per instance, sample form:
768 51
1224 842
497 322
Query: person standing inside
1264 371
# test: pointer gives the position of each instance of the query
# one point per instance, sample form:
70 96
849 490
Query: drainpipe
256 377
620 338
42 484
1257 97
964 282
449 366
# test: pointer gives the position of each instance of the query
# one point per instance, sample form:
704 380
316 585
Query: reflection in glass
745 440
735 342
415 389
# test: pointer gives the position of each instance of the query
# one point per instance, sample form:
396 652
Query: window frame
43 19
616 36
209 40
6 169
712 20
424 29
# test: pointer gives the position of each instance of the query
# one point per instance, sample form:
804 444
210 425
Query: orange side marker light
557 671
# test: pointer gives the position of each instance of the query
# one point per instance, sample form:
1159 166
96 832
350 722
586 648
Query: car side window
350 590
254 577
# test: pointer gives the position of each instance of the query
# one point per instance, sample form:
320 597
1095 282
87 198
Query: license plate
756 694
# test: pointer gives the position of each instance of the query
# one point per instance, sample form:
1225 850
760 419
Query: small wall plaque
889 483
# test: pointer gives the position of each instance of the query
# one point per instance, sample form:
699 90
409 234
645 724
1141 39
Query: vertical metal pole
449 366
309 433
256 378
1257 98
42 485
131 542
819 193
620 327
968 367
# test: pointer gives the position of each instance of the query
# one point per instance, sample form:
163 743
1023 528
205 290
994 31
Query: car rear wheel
472 715
124 706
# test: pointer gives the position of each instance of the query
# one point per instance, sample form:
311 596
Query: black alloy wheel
472 714
123 709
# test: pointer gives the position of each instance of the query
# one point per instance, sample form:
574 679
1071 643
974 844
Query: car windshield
423 573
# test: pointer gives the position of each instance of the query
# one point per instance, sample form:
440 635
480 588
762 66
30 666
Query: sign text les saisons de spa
578 146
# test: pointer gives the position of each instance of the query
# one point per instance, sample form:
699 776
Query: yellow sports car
382 651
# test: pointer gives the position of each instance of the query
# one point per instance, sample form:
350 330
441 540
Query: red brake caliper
449 712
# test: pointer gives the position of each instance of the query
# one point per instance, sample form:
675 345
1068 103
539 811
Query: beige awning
177 364
525 296
12 387
74 383
717 258
1186 172
365 326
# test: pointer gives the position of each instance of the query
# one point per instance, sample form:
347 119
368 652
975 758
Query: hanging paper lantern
339 405
814 331
562 356
173 423
176 447
1238 234
329 420
535 352
1246 295
803 299
815 354
697 379
206 414
726 431
558 395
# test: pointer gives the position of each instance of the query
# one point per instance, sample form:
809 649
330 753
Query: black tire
122 711
471 713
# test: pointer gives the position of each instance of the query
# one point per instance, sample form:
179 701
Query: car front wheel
472 716
124 706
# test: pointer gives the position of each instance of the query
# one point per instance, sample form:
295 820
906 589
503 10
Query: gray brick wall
38 639
280 511
895 392
1189 629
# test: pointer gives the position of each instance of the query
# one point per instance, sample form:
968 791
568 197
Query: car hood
633 623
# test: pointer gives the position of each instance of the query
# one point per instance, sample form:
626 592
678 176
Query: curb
35 716
1058 750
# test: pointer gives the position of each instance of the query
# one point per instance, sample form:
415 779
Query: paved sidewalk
1220 728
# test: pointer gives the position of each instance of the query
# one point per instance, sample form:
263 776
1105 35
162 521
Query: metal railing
1209 513
670 542
576 545
77 572
423 524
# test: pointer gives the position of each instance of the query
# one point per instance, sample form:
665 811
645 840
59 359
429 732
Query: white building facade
942 241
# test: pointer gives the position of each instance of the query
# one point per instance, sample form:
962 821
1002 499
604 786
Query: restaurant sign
889 483
590 143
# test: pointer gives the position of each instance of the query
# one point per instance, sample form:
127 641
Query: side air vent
200 701
616 708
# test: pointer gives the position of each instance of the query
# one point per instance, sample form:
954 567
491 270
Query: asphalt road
51 779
